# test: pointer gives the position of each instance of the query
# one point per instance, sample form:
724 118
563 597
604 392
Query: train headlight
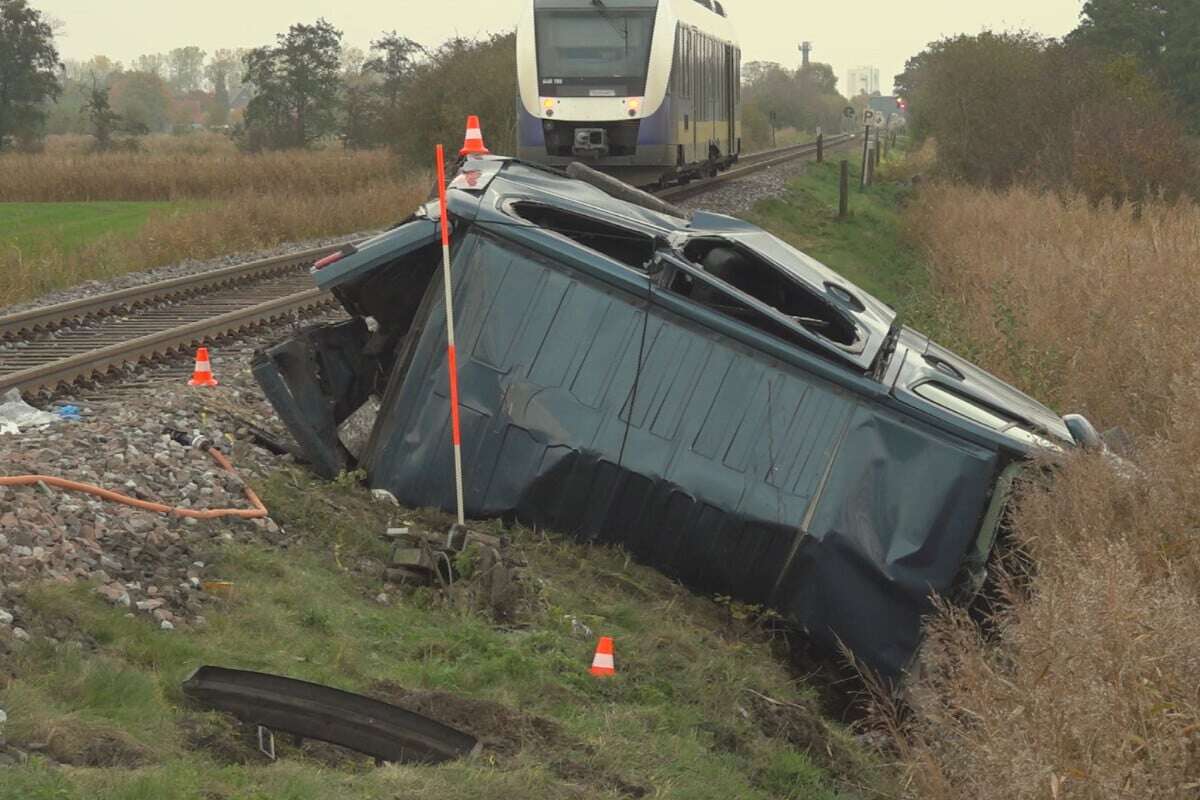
633 104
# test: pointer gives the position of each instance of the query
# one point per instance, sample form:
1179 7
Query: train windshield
597 52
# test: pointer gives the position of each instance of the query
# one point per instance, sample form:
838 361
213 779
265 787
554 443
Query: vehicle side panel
587 410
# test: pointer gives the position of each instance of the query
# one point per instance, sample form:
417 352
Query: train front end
593 77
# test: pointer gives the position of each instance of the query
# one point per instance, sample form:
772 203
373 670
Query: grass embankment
61 224
700 708
871 247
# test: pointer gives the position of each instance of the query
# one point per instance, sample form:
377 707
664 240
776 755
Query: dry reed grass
196 143
1088 309
1088 685
244 221
166 174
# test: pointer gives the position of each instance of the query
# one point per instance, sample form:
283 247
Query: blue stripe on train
529 128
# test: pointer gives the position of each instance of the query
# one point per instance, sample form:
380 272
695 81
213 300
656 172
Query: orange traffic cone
602 663
203 375
473 143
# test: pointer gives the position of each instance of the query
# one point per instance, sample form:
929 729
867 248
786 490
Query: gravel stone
151 564
739 196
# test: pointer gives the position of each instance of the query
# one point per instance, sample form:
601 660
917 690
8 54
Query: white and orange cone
203 374
602 663
473 142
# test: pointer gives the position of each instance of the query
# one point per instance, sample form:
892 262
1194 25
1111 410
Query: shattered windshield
599 51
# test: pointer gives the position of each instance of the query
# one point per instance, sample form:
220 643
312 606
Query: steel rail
84 366
757 163
48 318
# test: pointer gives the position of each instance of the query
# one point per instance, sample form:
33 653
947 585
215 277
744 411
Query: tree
297 83
185 66
776 97
393 59
446 87
154 63
103 119
1015 108
28 71
1163 35
224 75
141 99
97 68
818 78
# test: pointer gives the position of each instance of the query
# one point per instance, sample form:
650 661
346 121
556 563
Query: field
67 216
70 226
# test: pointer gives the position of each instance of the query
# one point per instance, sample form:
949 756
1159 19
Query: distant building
862 80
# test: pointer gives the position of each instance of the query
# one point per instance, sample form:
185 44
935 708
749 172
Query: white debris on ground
17 415
149 563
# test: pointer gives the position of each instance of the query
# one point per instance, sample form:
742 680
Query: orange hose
258 512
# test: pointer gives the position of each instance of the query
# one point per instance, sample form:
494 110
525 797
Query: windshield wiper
887 349
624 34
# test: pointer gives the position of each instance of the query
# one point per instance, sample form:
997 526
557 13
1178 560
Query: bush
1015 108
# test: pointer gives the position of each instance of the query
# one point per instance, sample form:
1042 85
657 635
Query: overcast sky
883 33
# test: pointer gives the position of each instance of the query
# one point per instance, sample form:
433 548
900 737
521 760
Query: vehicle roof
498 180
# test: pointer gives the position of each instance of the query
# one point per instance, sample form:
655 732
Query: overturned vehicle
687 386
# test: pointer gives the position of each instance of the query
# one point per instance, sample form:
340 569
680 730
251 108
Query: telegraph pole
805 49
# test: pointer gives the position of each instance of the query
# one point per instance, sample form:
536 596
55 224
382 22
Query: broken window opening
391 293
764 282
631 248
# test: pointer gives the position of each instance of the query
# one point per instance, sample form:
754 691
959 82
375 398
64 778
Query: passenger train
646 90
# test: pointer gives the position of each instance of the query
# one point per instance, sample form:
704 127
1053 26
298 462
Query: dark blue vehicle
691 388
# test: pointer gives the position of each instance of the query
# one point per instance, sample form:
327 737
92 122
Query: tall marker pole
451 355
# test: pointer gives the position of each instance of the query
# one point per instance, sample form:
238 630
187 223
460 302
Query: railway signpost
862 181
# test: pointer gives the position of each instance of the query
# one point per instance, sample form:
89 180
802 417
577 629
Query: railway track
47 348
44 348
750 164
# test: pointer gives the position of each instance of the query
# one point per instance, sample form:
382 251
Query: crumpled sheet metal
732 471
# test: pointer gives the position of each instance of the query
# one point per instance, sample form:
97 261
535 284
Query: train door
732 88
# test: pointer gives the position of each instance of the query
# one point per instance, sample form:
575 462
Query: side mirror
1083 432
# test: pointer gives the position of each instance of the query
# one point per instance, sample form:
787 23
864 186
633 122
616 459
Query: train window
582 52
751 274
631 248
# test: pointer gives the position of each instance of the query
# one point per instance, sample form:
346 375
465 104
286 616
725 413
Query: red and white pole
451 354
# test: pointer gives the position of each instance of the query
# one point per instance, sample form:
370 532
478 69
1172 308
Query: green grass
683 718
68 227
867 247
